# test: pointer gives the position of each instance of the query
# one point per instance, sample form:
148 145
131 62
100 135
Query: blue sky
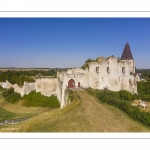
68 42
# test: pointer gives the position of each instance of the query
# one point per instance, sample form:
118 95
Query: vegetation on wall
119 60
90 60
114 98
38 100
86 65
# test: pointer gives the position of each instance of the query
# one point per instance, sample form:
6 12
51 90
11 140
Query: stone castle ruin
112 73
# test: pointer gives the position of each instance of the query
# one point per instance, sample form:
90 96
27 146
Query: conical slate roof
126 52
136 71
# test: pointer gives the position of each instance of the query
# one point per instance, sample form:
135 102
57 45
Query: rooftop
126 52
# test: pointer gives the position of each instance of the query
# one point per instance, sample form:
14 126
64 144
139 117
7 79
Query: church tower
127 55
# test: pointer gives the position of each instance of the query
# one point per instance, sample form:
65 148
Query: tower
127 55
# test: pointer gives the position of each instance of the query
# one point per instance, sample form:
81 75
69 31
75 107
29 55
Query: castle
112 73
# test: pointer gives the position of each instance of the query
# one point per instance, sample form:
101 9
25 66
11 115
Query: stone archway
71 83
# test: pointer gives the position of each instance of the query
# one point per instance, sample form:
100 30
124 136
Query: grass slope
14 111
83 115
4 114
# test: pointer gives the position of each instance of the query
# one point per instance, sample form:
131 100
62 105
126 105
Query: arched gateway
71 83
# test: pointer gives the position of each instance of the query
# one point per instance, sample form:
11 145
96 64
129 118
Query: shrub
143 89
38 100
125 95
1 88
11 96
135 97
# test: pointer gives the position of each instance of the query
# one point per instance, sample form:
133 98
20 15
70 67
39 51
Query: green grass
4 114
16 111
84 114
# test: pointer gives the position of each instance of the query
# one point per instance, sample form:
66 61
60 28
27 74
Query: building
112 73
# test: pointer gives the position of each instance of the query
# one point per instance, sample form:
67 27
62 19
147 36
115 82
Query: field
84 114
23 69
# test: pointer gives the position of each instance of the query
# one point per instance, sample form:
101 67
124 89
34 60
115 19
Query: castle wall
25 89
47 87
105 72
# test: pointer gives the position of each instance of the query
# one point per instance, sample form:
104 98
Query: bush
38 100
143 89
11 96
125 95
1 88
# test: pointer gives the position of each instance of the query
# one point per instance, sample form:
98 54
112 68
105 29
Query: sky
68 42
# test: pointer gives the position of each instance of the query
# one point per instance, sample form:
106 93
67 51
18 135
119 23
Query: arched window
97 69
123 69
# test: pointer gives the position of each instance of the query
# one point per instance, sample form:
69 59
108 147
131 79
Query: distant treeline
143 89
145 73
15 77
19 77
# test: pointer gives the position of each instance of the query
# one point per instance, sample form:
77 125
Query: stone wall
47 87
95 76
25 89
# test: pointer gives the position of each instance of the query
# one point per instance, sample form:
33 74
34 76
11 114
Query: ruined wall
47 86
25 89
115 79
95 76
7 85
28 87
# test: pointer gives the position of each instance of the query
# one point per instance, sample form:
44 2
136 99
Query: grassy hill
84 114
